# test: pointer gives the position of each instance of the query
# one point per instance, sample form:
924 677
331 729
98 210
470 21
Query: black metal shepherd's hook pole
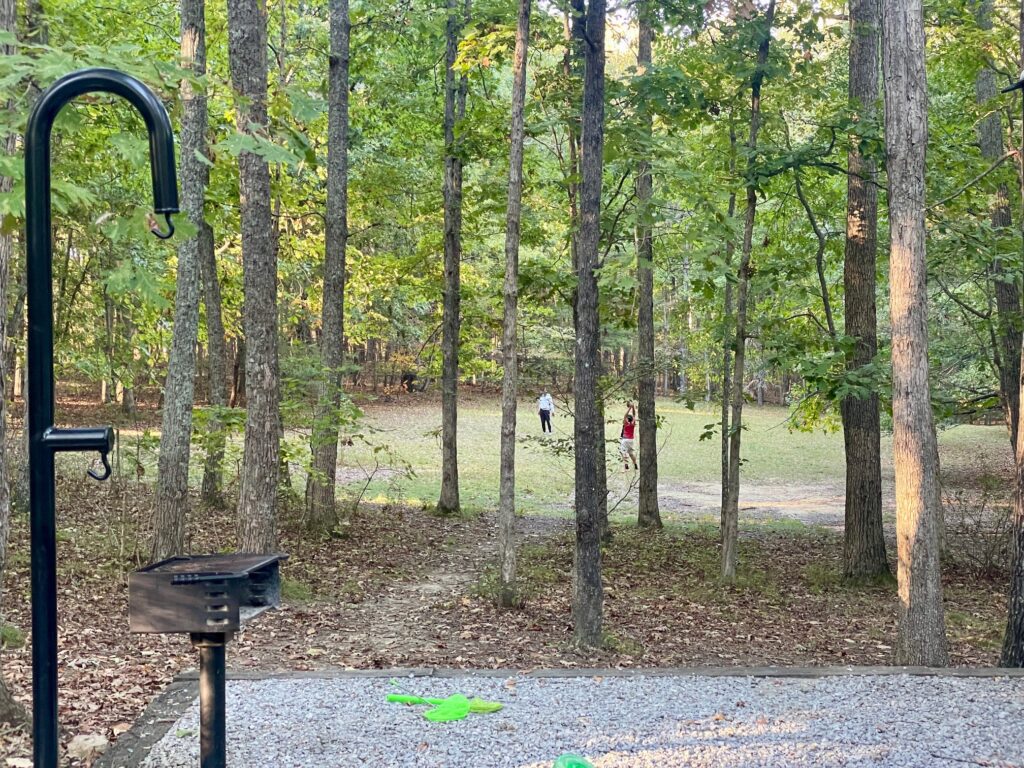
45 439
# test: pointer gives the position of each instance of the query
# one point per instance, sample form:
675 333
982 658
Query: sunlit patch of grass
544 477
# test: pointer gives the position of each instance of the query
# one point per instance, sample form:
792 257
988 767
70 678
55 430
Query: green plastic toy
572 761
455 707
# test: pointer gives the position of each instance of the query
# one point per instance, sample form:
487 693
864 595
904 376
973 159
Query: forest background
346 223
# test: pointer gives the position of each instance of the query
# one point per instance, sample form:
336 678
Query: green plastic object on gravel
455 707
572 761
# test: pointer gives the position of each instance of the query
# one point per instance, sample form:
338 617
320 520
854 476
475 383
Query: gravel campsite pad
627 722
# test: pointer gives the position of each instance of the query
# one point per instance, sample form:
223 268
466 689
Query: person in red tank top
626 441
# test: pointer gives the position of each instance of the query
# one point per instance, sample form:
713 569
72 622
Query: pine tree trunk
588 592
731 513
171 513
11 712
257 502
864 544
509 359
922 638
454 112
648 515
213 469
320 505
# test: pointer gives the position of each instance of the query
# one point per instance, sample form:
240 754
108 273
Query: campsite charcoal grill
210 597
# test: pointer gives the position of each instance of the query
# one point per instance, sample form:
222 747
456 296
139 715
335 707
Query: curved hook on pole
106 469
44 439
155 228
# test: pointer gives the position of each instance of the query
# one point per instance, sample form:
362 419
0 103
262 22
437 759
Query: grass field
772 454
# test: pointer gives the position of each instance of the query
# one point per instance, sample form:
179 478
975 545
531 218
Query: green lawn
771 452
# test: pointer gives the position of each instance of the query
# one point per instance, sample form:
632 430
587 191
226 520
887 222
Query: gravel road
620 722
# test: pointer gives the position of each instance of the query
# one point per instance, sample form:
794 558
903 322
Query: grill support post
212 696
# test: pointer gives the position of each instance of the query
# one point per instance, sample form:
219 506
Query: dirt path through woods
412 619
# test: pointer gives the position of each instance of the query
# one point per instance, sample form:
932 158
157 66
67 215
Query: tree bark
1013 640
1006 283
864 553
320 489
730 514
509 359
238 398
574 66
588 592
921 638
727 342
454 112
128 404
213 469
648 514
11 712
257 502
172 505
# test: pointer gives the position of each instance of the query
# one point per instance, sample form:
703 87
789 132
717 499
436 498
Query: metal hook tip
106 470
155 229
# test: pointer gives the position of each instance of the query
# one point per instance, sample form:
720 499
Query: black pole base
212 717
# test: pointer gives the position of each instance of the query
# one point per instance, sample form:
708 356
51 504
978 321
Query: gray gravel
627 722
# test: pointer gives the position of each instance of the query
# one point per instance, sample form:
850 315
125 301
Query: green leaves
237 143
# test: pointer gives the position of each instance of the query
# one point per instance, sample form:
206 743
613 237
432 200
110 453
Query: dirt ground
408 588
815 504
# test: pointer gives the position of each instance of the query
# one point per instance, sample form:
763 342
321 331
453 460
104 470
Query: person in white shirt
545 405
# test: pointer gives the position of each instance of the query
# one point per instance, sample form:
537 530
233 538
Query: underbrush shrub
978 529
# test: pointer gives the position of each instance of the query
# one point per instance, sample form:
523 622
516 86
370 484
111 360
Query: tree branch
966 307
1006 156
819 257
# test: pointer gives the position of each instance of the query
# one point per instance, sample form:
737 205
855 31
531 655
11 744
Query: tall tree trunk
510 378
171 513
922 637
128 404
11 712
1013 641
320 507
588 592
238 398
108 387
731 513
648 515
454 112
213 469
257 501
727 342
863 543
1006 283
573 68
